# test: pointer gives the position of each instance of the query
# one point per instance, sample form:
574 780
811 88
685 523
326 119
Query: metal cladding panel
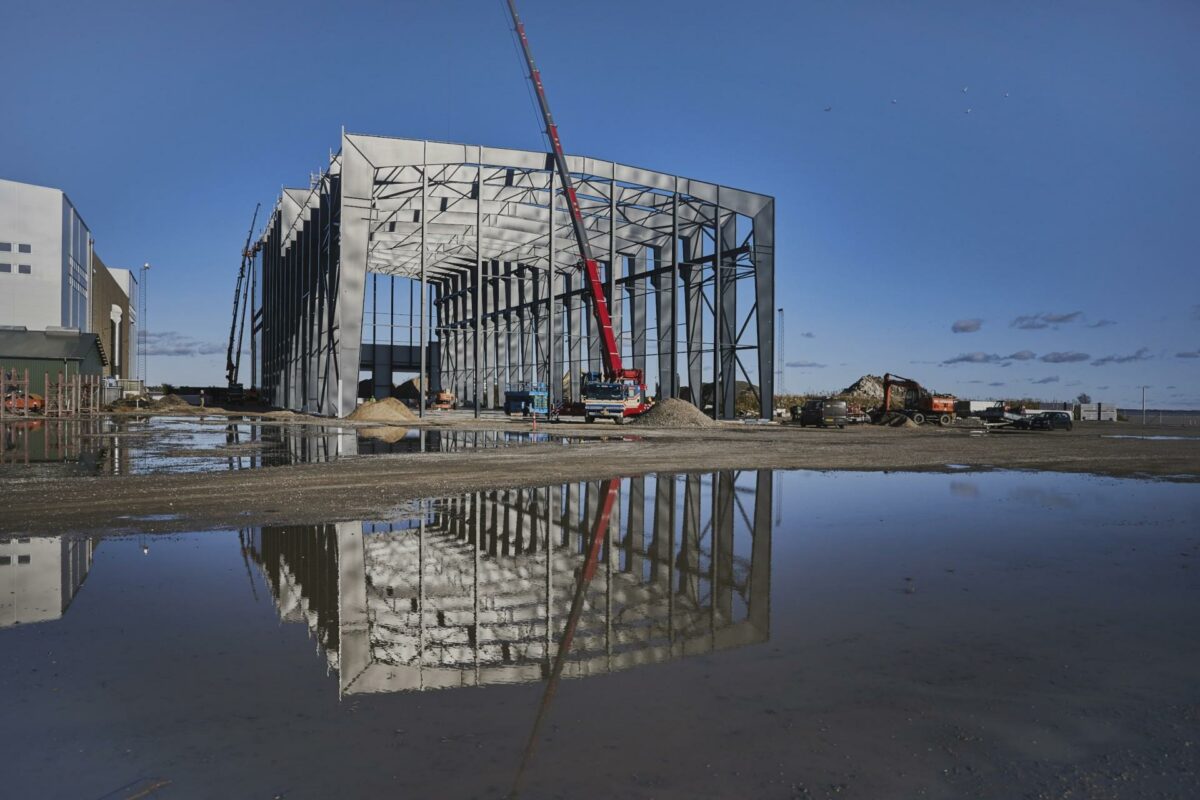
384 152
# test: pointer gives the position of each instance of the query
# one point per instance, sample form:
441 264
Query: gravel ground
370 487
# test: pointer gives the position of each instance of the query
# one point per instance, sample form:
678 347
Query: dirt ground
370 487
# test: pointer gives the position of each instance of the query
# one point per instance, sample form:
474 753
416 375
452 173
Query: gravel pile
388 409
672 413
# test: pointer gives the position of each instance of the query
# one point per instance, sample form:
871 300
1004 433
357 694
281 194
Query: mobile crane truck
616 393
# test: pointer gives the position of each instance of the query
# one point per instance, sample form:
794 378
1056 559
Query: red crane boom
611 354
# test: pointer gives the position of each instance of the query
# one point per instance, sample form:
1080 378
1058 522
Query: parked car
1051 421
822 413
1045 421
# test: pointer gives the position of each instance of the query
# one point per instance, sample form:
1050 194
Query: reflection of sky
894 587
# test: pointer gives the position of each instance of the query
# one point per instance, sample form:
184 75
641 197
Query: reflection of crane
244 542
608 496
618 392
233 356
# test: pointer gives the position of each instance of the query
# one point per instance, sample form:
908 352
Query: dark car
821 412
1051 421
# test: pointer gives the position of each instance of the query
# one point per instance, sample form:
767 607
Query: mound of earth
131 403
167 404
409 390
894 419
388 409
672 413
171 401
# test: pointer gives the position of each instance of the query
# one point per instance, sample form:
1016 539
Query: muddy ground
371 487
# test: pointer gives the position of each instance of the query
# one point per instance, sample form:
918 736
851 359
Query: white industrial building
45 258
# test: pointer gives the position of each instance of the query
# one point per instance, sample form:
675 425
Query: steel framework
476 589
483 237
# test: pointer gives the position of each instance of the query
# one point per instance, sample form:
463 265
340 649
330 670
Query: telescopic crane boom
233 355
614 370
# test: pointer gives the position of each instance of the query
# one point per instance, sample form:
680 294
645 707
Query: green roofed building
47 353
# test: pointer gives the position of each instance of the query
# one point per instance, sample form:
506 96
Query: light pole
143 342
1144 388
779 365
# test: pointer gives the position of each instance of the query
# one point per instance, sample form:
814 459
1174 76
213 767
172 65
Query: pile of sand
894 419
390 434
672 413
388 409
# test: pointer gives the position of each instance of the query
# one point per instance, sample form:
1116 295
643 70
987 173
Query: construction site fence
61 394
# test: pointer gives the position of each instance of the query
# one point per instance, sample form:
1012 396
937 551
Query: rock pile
672 413
868 390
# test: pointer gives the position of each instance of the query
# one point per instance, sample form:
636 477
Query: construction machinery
617 392
241 302
444 401
920 405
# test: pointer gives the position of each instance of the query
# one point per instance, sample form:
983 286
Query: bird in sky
965 89
829 108
968 111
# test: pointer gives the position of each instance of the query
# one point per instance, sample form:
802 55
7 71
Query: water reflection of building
39 577
80 445
476 589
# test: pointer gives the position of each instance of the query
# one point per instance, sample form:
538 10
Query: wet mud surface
324 481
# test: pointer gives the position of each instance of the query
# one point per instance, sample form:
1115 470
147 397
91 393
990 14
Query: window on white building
25 269
22 559
5 247
24 248
5 267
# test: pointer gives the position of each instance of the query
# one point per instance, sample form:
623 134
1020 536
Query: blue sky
1060 213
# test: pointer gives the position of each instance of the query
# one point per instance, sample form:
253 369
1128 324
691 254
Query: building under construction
459 262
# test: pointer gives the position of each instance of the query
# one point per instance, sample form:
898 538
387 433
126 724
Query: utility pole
143 342
779 369
1144 388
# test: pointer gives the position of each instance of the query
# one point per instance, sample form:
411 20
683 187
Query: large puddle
137 446
733 634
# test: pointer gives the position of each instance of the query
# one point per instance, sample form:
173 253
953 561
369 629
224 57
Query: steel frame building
483 237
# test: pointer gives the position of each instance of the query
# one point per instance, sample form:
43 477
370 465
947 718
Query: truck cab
615 400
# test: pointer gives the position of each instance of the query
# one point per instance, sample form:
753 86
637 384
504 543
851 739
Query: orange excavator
920 405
